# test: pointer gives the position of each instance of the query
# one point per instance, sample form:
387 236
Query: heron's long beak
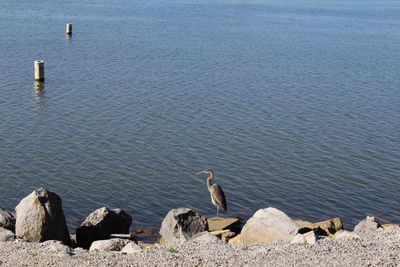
200 172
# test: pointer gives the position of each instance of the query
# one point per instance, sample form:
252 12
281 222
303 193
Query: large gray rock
100 224
7 220
268 225
367 226
114 244
6 235
40 217
181 225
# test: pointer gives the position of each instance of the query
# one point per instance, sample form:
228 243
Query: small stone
308 238
205 237
59 248
226 236
131 248
346 235
6 235
219 233
115 244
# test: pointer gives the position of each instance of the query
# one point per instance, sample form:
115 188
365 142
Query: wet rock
40 217
7 220
181 225
268 225
100 224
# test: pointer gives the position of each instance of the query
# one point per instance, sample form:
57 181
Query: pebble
378 249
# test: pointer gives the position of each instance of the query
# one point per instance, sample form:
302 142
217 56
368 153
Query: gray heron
216 193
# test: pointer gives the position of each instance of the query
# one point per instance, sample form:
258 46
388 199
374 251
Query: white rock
367 226
268 225
131 248
347 235
206 237
58 248
115 244
309 238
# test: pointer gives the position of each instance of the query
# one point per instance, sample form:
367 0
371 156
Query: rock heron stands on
217 195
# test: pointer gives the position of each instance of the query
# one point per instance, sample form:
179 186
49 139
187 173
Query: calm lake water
293 104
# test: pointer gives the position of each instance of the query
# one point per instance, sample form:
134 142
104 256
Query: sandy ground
381 248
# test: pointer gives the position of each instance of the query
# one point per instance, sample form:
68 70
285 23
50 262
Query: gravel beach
381 248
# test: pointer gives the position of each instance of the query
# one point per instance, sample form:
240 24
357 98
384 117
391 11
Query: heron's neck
209 180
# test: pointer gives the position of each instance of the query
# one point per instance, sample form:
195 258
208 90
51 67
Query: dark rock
7 220
100 224
181 225
40 217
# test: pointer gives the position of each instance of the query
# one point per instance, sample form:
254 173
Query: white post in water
69 29
39 70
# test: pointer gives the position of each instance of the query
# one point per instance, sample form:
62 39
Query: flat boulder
268 225
7 220
181 225
232 224
324 228
100 224
40 217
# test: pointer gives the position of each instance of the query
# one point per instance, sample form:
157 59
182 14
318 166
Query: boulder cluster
39 217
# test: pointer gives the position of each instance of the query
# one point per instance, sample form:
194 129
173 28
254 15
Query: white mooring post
39 70
69 29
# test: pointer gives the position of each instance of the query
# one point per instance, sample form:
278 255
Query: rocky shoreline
37 236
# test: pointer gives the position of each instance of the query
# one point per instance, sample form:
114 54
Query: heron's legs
217 212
